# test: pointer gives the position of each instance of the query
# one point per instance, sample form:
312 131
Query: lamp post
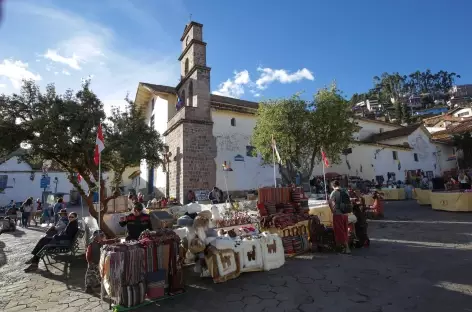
167 157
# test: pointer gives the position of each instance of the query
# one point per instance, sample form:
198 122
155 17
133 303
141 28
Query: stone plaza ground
419 260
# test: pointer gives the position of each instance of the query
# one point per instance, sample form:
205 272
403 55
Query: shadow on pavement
16 233
67 269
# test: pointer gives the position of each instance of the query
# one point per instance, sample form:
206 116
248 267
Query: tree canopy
63 129
395 87
301 129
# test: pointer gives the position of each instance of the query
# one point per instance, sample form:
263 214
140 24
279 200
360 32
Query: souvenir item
250 255
223 264
272 251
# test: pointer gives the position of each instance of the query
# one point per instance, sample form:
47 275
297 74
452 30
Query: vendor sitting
136 222
65 237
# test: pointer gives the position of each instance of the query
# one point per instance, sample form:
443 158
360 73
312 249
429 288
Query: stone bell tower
190 130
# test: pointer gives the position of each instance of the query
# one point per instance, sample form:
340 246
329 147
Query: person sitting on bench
65 238
60 225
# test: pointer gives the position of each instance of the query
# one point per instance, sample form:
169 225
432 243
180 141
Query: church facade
202 131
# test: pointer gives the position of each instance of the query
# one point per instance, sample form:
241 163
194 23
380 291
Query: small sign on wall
202 195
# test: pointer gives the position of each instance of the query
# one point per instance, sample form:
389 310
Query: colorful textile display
223 265
133 295
272 251
279 195
176 274
122 265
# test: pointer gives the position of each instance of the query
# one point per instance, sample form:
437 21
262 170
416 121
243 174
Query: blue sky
256 50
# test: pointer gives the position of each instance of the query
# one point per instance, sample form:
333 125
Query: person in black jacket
136 222
65 238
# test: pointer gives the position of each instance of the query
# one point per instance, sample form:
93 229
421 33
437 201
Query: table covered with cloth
422 196
451 201
393 193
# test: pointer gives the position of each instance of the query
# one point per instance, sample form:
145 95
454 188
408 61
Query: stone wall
174 140
199 152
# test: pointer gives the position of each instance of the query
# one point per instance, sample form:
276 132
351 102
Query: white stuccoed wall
232 141
163 105
431 156
22 186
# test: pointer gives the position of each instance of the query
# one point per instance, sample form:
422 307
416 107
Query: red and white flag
325 159
79 177
99 145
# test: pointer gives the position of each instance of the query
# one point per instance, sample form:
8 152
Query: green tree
63 128
301 129
406 114
398 112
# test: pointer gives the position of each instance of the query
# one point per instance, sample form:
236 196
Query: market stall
285 211
393 193
451 201
422 196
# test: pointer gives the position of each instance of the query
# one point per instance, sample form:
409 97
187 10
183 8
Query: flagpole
273 159
324 178
99 186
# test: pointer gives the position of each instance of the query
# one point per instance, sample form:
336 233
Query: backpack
345 206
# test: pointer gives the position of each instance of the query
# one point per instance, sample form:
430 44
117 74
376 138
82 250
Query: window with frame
233 122
395 155
250 151
415 156
151 123
463 114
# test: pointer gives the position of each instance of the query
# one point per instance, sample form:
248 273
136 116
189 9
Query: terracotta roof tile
397 133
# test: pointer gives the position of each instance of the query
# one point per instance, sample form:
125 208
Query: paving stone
235 306
264 294
329 288
234 297
78 303
251 300
305 280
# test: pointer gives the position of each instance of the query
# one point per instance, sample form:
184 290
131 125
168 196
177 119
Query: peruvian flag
325 159
99 145
79 177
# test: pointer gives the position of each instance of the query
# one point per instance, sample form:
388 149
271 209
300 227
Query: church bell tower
190 130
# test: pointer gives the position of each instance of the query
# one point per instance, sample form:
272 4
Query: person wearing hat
136 222
60 224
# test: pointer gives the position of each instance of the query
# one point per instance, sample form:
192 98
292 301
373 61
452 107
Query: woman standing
464 181
25 214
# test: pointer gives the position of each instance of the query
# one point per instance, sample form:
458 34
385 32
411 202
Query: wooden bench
56 248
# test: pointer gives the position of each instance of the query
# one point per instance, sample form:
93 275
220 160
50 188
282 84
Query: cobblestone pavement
419 260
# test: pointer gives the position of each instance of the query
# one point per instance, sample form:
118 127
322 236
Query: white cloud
16 71
2 85
234 87
91 47
72 61
269 75
65 72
